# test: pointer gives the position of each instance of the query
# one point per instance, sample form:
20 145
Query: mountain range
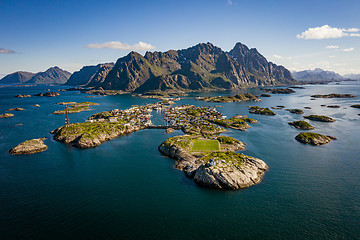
53 75
317 75
201 67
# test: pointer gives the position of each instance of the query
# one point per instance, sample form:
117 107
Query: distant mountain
90 75
53 75
17 78
352 76
201 67
317 75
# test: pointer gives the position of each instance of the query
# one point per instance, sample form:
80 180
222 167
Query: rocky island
301 125
296 111
320 118
260 110
16 109
236 98
279 90
75 107
355 106
47 94
213 162
29 147
6 115
205 156
22 96
314 138
333 95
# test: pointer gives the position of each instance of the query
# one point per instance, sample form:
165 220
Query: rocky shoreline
222 170
29 147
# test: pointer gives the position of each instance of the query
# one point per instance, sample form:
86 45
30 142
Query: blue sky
36 35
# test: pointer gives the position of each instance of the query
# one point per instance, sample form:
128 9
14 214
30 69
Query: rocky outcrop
314 138
6 115
320 118
355 106
301 125
29 147
16 109
279 90
333 95
223 170
261 111
235 98
22 96
47 94
89 135
296 111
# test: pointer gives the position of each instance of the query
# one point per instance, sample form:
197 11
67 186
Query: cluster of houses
189 116
135 116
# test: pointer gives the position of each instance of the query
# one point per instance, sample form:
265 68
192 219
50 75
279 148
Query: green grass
205 145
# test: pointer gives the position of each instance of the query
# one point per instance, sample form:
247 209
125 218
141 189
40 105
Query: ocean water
125 189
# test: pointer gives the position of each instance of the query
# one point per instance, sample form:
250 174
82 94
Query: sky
37 34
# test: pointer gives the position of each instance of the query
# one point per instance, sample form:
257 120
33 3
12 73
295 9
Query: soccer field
205 145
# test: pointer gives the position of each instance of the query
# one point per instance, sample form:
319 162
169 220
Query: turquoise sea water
125 189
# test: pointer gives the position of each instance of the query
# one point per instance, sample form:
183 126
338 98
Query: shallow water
125 189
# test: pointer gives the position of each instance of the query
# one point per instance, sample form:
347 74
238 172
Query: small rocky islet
301 125
29 147
75 107
333 95
47 94
279 90
261 111
235 98
15 109
320 118
296 111
6 115
313 138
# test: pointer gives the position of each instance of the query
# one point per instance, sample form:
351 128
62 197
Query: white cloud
332 47
6 51
348 49
277 56
354 34
326 32
229 2
140 46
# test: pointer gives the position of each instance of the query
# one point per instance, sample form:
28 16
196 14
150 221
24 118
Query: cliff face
17 78
53 75
90 75
201 67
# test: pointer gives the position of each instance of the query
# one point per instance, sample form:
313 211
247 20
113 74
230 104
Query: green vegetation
89 130
262 111
101 115
310 135
205 145
236 159
301 125
181 141
236 98
296 111
319 118
232 123
227 140
75 107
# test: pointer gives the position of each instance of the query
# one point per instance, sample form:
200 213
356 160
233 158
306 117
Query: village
189 118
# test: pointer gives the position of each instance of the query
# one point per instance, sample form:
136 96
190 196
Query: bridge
162 127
